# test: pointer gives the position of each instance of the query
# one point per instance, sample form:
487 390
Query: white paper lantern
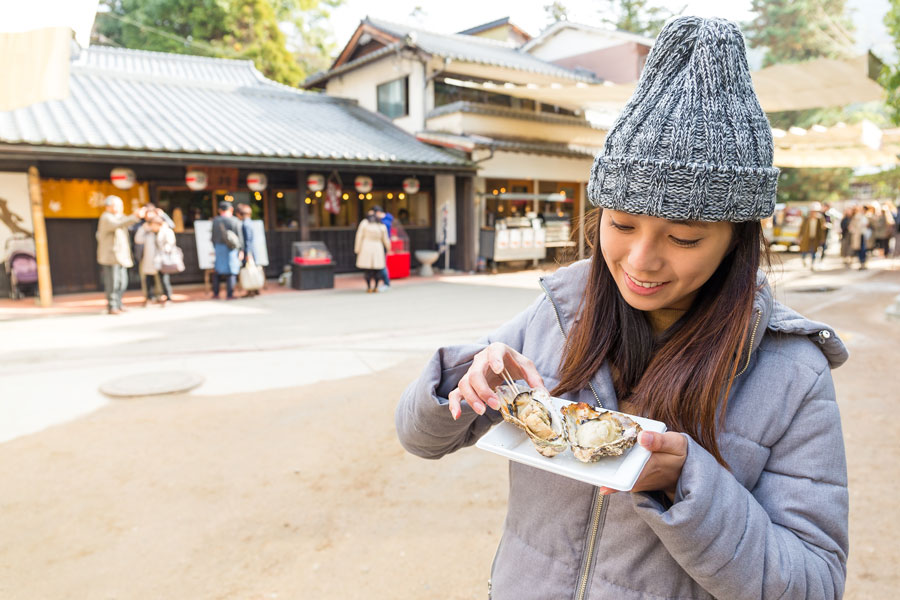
257 182
410 185
122 178
363 184
315 182
195 180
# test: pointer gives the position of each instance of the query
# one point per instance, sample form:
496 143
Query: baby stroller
21 266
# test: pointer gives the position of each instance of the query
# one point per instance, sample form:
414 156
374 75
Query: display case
312 266
519 238
397 260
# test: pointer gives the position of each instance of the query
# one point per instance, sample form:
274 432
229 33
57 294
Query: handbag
169 260
231 238
251 276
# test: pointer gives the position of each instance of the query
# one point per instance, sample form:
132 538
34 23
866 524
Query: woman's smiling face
659 263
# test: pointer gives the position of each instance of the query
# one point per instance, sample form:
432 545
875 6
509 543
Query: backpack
231 238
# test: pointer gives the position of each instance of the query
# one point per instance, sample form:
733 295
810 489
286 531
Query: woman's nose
644 256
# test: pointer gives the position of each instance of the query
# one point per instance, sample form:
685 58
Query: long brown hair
682 377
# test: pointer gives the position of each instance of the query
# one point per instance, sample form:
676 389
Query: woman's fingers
500 357
468 392
668 443
454 397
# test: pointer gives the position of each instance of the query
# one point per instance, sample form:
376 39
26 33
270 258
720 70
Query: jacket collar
565 288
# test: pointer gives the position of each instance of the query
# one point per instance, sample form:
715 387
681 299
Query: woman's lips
635 286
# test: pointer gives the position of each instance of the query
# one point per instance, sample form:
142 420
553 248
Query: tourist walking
882 228
371 244
745 497
157 238
859 234
846 237
245 214
114 250
227 238
812 234
386 219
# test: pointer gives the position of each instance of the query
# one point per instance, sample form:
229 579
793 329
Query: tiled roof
460 47
467 143
512 113
169 103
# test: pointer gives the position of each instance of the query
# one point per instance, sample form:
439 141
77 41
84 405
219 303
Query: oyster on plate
530 410
593 434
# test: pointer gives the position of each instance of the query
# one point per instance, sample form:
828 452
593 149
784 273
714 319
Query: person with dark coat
228 241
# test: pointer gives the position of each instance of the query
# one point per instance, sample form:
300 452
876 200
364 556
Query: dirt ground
305 493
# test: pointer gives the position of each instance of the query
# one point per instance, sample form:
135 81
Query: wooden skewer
509 380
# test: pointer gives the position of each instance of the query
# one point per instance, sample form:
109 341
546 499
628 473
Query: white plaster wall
361 84
570 42
15 209
510 127
517 165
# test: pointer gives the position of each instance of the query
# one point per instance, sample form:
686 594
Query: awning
816 83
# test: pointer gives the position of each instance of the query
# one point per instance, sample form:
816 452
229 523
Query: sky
451 16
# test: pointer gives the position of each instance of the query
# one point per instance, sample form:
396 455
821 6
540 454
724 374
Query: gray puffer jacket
774 526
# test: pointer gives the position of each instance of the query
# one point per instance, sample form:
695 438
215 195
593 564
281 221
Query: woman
812 234
157 237
846 237
371 244
746 495
860 231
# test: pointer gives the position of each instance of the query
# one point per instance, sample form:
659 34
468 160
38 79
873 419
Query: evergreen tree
890 76
241 29
556 12
636 16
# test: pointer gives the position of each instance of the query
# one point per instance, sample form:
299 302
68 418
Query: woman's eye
620 227
685 243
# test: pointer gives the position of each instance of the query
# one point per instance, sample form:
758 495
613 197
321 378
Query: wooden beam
465 223
302 210
45 287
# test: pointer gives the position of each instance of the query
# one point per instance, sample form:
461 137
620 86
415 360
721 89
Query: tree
241 29
798 30
807 185
556 12
890 75
636 16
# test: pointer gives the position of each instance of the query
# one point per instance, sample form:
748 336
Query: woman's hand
477 386
668 453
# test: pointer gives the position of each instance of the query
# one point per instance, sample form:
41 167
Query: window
444 93
393 98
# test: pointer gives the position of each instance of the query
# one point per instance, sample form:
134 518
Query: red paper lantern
363 184
410 185
195 180
122 178
315 182
257 181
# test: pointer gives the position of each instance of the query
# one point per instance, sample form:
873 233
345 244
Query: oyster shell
530 411
593 434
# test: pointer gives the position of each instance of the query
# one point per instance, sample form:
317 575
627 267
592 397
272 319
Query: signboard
16 231
83 198
206 252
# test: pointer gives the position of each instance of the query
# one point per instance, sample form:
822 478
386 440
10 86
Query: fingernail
454 414
496 367
478 407
646 438
494 402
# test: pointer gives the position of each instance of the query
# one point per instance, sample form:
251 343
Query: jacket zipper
752 341
598 501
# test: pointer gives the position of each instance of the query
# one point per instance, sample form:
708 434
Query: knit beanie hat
692 143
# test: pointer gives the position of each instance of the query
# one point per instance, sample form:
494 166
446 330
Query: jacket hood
566 286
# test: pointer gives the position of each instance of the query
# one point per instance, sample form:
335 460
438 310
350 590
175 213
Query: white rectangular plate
616 472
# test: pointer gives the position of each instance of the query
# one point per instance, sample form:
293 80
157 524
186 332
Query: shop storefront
309 166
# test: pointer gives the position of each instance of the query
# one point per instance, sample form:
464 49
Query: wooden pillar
465 222
302 210
45 287
582 202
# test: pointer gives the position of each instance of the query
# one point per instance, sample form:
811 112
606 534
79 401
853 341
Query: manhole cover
151 384
813 290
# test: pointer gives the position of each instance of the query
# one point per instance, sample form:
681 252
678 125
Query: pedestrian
746 495
812 234
114 250
245 214
157 237
386 219
882 230
887 209
227 240
371 244
846 237
828 216
897 232
859 232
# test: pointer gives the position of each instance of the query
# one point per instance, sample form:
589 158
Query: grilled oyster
593 434
530 411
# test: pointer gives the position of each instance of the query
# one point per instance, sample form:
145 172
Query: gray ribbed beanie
693 142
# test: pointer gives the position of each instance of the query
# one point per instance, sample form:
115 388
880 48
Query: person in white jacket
156 236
